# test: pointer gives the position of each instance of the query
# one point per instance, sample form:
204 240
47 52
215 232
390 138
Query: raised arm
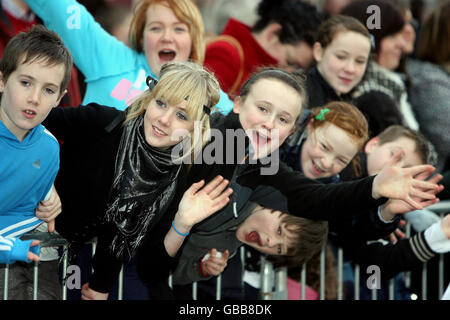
95 51
406 254
198 203
312 199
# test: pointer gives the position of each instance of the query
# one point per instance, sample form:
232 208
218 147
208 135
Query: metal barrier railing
273 282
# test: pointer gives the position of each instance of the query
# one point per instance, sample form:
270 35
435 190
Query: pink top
295 291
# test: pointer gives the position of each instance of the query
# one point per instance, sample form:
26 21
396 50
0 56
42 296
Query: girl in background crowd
342 53
389 43
161 31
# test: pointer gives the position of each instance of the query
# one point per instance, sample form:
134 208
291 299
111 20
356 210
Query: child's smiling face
343 62
163 121
327 151
268 114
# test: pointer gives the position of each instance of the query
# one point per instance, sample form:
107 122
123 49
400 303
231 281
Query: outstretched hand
407 184
393 206
200 201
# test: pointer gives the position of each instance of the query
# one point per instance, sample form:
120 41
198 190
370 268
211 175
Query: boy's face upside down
264 231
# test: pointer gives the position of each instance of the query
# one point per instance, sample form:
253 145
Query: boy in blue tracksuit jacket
34 73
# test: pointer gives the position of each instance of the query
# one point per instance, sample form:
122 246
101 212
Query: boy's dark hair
395 132
299 20
38 43
307 237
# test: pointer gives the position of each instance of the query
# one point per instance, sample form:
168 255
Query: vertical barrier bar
242 256
35 280
5 287
322 274
357 282
374 293
303 282
94 247
391 289
340 275
441 268
441 275
194 291
266 279
281 284
407 275
64 275
218 287
424 281
120 289
170 280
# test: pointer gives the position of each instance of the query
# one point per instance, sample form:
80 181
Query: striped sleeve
16 226
5 249
420 247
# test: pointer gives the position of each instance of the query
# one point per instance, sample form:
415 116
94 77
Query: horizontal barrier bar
273 282
441 206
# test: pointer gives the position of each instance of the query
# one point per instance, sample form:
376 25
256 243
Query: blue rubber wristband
181 234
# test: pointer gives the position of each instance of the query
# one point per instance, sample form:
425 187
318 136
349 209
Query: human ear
317 51
60 97
368 148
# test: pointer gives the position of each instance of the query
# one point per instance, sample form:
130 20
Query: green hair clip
321 115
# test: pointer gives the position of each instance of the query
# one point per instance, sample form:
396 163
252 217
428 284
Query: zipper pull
235 210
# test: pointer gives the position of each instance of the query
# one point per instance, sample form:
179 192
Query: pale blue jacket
114 73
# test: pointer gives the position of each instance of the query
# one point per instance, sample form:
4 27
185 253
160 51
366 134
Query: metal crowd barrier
273 282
